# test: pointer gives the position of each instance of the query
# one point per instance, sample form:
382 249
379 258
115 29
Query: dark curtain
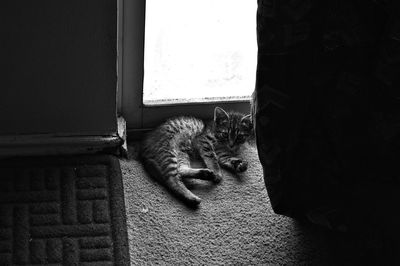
326 109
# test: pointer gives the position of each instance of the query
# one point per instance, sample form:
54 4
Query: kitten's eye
224 134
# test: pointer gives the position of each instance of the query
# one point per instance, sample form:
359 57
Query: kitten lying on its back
166 152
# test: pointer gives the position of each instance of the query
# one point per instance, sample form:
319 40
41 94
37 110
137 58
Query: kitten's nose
231 144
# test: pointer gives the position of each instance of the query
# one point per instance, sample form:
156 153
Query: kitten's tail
172 182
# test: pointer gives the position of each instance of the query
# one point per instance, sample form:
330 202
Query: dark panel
60 67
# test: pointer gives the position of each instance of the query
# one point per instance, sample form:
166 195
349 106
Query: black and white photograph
200 132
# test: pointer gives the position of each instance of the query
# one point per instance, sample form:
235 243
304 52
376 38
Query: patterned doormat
62 211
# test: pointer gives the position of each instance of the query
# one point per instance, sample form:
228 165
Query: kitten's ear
247 121
220 115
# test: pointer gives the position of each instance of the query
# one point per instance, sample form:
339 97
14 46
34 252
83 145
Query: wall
59 67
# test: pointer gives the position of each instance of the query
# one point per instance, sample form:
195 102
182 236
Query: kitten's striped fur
167 151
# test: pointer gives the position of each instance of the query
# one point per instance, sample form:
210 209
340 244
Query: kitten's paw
211 175
242 167
208 174
239 165
217 179
192 201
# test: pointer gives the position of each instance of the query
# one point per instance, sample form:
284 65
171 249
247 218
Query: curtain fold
326 106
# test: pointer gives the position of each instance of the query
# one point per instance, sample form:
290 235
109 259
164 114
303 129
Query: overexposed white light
197 49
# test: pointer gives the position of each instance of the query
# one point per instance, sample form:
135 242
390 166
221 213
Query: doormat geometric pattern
62 211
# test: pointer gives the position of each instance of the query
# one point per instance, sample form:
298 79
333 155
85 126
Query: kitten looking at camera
167 151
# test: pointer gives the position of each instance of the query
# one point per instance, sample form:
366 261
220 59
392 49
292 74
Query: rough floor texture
234 225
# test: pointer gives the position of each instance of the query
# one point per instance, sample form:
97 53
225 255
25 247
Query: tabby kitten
167 151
